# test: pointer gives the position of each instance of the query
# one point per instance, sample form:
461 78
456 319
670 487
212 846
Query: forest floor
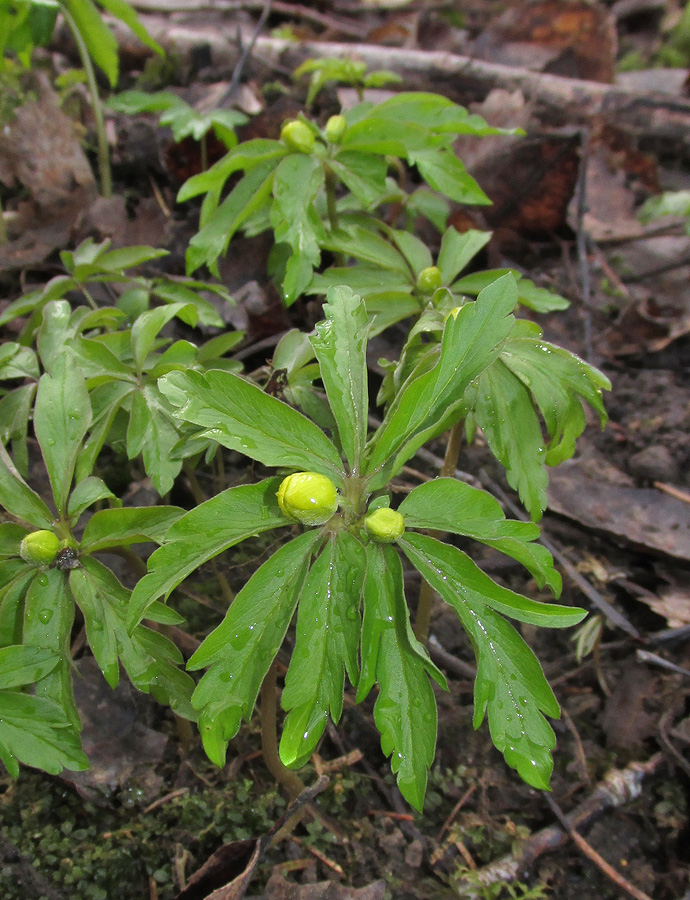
152 810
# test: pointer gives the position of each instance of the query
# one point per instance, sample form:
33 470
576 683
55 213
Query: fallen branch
558 100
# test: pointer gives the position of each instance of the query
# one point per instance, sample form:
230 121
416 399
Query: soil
153 810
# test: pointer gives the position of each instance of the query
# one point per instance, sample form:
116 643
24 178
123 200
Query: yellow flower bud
385 525
336 127
429 280
308 498
297 136
39 547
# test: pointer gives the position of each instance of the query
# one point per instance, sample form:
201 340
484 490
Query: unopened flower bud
308 498
385 525
429 280
297 136
39 547
336 127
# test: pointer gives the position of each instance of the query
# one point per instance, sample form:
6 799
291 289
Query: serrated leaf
36 732
131 525
48 621
503 409
241 649
327 637
510 685
249 195
148 657
446 504
405 710
61 420
204 532
240 416
340 345
425 405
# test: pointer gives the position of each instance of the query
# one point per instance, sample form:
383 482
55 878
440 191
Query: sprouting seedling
344 71
182 118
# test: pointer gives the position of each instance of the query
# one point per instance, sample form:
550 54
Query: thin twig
595 857
244 56
582 239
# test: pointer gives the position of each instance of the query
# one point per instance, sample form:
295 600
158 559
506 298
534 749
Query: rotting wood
555 99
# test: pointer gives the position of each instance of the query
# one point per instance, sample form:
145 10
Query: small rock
414 855
654 463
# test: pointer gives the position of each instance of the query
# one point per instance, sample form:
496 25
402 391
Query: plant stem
102 139
3 229
426 592
269 737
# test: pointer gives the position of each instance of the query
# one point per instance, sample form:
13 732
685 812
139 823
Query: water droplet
43 580
45 615
351 613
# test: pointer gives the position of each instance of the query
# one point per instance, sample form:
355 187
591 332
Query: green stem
103 151
426 592
269 737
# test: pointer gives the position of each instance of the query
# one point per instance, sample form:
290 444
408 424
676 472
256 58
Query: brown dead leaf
278 888
673 604
647 327
625 720
571 38
643 517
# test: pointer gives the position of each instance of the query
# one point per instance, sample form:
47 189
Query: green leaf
132 525
242 648
48 622
405 709
23 665
340 345
458 249
249 195
446 504
36 732
204 532
17 497
149 658
61 421
240 416
11 536
135 102
426 405
15 411
326 643
510 684
557 380
370 247
152 432
529 295
86 493
15 578
247 156
415 251
100 42
293 217
124 12
147 326
444 172
364 174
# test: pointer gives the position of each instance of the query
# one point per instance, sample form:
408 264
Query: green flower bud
336 127
308 497
297 136
429 280
385 525
39 547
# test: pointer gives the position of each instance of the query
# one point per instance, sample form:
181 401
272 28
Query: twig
673 491
244 56
595 857
618 787
448 661
646 657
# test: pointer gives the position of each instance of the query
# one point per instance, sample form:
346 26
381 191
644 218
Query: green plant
118 349
397 278
668 203
184 120
345 71
25 24
344 577
293 185
49 569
